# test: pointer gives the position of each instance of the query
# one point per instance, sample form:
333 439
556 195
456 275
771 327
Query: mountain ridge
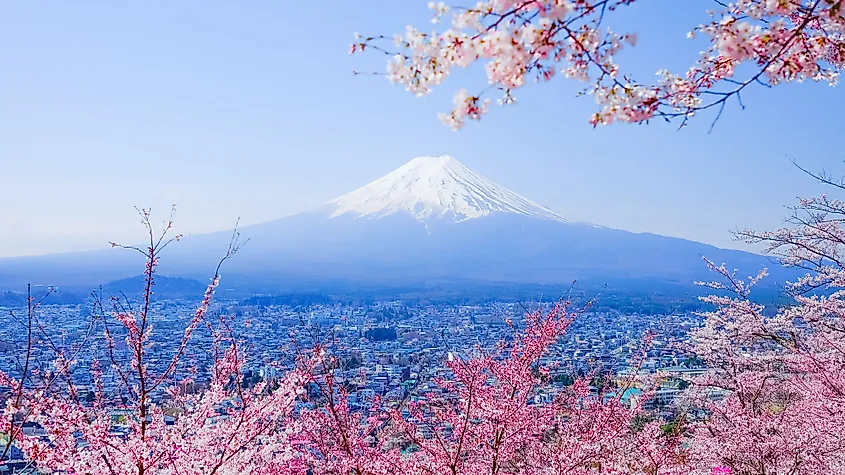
430 220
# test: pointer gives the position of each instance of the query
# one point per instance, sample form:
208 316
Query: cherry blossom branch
786 41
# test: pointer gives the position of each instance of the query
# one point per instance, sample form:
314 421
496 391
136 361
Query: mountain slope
436 188
430 220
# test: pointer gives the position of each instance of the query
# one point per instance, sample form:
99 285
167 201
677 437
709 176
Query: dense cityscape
389 350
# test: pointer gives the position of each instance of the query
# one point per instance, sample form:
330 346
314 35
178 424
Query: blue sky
250 110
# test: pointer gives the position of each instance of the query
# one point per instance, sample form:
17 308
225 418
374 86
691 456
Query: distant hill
165 287
10 298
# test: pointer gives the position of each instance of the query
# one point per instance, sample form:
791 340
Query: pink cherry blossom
519 41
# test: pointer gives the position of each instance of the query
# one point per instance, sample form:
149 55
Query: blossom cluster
773 397
520 40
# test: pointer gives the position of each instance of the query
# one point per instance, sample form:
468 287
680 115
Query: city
387 350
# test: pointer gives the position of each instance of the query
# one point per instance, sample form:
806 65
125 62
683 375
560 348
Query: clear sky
249 109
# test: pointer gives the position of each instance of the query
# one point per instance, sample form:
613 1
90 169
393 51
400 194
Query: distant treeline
649 297
654 299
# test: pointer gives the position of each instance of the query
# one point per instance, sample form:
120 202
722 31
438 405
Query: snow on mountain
437 187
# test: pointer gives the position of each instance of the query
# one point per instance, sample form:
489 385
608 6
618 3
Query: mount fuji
436 188
430 220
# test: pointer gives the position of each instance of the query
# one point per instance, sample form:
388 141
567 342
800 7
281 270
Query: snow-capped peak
435 188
